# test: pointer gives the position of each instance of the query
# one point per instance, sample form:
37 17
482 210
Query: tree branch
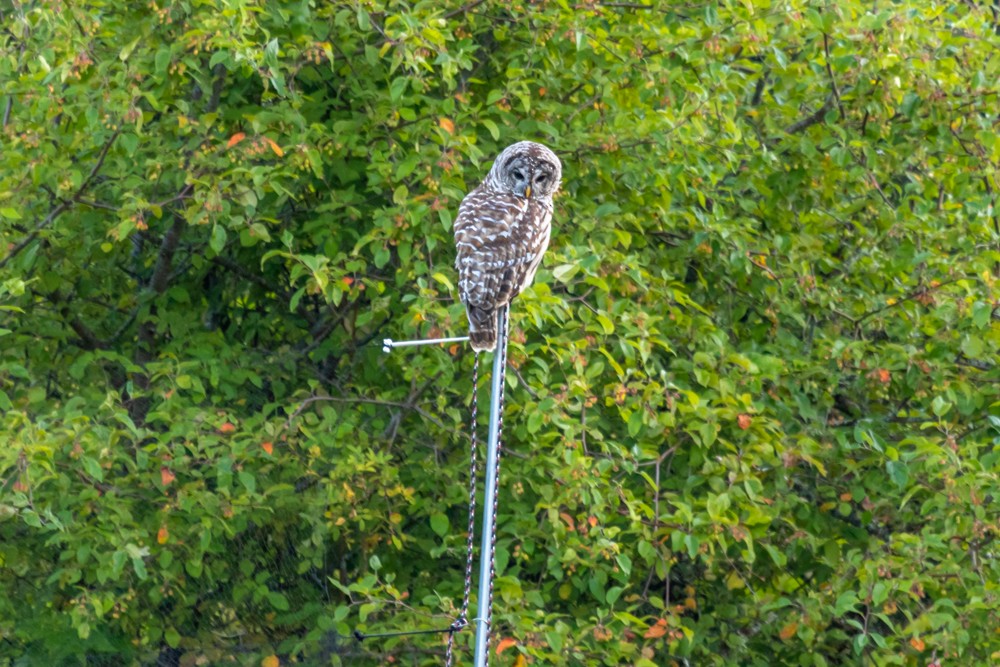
813 118
833 80
256 278
145 348
463 10
165 258
63 206
963 360
369 401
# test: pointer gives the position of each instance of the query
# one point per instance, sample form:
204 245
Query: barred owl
501 232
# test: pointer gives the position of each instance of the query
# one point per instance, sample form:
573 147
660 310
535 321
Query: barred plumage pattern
501 233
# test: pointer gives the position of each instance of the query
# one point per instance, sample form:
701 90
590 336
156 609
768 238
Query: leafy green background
752 415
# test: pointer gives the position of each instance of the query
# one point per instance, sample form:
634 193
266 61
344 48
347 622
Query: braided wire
462 619
502 335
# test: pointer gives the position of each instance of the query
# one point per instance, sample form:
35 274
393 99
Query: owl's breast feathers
501 238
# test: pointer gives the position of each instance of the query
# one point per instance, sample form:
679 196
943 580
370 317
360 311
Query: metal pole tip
387 345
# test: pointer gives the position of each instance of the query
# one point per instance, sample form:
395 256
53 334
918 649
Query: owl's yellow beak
527 191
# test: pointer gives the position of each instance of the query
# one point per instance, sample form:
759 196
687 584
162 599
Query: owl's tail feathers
482 328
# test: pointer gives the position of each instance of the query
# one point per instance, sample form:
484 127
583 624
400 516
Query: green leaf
717 505
625 563
93 468
845 603
880 592
162 61
129 142
397 87
443 279
981 314
248 481
278 601
127 50
218 240
940 406
607 209
365 610
492 128
400 195
596 589
439 524
564 272
898 473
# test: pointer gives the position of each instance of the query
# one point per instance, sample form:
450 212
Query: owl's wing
500 239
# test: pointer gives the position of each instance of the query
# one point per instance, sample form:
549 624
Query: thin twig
812 119
96 204
833 80
520 377
63 206
463 10
368 401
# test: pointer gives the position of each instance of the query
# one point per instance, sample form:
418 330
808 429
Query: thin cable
361 636
463 619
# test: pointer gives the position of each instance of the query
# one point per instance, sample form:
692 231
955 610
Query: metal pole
489 498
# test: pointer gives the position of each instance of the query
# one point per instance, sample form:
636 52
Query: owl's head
526 169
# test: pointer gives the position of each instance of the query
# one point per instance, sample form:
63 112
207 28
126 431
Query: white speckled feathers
501 233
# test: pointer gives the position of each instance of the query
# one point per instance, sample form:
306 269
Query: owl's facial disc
541 179
520 179
526 169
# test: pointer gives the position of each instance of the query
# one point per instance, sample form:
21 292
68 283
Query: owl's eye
541 178
518 175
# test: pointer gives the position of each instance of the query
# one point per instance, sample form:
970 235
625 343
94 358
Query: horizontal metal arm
388 344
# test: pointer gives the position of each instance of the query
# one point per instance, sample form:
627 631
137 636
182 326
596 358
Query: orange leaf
505 644
789 630
743 420
275 147
918 643
270 661
520 660
657 630
227 428
884 376
568 519
166 476
447 125
162 535
267 446
592 520
235 139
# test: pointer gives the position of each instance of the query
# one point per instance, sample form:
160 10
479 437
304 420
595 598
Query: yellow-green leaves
752 400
